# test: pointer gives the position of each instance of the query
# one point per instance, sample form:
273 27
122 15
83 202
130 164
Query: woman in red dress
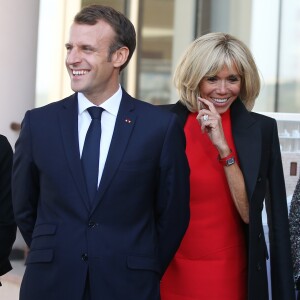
233 153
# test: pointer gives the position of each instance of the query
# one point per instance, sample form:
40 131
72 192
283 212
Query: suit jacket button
92 224
258 267
84 257
260 235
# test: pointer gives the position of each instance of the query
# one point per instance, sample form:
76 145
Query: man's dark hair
124 29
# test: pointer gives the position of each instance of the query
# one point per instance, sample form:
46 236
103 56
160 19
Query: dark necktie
91 151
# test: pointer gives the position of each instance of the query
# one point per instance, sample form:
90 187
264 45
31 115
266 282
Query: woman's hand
211 123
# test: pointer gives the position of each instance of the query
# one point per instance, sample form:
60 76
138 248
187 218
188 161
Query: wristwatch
227 160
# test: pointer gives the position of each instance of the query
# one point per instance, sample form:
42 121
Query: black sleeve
7 223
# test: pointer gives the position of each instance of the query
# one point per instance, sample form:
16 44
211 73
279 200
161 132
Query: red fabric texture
211 262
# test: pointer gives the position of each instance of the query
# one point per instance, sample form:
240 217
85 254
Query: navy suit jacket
127 239
7 224
257 145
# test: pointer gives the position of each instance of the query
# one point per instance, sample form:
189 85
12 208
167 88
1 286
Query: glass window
155 57
116 4
288 98
264 46
271 29
155 38
243 19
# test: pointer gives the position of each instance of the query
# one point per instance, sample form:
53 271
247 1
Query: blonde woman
235 164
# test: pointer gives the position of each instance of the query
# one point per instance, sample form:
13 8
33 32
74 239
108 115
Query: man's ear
120 57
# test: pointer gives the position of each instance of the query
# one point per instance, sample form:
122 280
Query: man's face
90 71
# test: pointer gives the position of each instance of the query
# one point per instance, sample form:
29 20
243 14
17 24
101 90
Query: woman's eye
212 79
233 78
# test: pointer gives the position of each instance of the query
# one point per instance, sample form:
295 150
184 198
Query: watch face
230 161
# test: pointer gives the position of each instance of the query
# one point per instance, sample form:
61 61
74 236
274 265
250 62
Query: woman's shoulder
264 120
262 116
179 110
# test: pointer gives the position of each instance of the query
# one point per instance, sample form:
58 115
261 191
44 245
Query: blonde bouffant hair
206 57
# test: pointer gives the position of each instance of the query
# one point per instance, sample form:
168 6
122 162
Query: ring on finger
205 118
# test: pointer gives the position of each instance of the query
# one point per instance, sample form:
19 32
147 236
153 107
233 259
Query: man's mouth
79 72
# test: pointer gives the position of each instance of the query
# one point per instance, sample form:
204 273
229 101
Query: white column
132 66
19 27
56 17
184 30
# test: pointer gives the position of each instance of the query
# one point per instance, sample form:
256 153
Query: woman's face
221 89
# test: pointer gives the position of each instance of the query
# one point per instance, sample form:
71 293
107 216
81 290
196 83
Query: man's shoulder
53 106
149 111
147 105
158 113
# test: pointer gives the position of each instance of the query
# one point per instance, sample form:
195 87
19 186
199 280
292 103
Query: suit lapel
247 138
123 128
181 111
68 119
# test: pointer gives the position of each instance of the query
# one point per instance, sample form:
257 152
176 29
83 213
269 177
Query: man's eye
87 49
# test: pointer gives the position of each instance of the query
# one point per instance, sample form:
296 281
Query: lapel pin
128 121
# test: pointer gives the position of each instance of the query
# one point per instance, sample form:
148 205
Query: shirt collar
111 105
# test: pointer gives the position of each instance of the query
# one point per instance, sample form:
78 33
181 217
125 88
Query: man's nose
73 56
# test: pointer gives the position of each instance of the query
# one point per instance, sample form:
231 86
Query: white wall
18 27
53 82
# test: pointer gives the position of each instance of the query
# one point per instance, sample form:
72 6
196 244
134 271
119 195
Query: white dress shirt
108 121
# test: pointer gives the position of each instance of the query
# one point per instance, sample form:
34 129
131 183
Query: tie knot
95 112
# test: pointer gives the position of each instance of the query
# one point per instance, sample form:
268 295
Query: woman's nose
222 88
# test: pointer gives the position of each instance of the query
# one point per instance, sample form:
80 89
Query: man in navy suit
117 244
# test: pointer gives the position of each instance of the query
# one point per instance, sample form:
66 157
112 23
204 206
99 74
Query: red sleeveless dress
211 262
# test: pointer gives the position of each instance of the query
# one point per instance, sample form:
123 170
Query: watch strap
227 160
